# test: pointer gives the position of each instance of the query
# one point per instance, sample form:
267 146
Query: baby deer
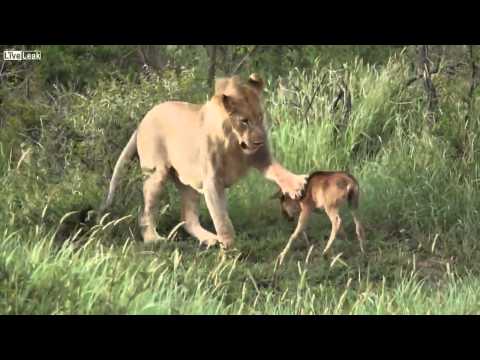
328 190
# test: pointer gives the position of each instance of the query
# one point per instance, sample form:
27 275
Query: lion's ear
227 103
256 82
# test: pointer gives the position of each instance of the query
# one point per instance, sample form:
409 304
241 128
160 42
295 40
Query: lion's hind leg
152 186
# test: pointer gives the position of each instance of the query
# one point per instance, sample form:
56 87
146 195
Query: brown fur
204 149
326 190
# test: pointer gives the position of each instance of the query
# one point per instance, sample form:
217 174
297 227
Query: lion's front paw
294 185
207 243
226 242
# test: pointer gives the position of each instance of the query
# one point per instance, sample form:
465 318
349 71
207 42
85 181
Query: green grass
419 202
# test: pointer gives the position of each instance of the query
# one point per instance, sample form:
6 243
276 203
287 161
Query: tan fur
328 191
204 149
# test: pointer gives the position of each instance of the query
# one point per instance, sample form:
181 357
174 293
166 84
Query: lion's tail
127 153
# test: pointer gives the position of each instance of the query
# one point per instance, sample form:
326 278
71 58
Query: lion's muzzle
252 147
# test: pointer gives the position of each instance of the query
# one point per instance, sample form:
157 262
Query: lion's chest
228 175
233 174
227 167
233 167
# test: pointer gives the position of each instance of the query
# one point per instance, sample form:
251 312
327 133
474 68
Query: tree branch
473 83
313 96
425 71
211 68
347 101
143 60
436 70
1 70
240 64
337 99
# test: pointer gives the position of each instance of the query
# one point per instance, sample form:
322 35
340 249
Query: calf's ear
277 195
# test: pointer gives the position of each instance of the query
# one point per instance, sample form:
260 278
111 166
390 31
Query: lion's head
242 102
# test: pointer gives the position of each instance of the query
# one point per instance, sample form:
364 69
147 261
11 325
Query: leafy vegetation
344 107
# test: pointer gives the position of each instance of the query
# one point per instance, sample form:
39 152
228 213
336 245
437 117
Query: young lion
204 149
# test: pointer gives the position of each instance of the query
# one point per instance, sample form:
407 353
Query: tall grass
419 201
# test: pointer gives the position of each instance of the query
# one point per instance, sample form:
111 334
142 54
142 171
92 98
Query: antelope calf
326 190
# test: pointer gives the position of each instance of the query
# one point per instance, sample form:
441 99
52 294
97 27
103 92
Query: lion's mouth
252 148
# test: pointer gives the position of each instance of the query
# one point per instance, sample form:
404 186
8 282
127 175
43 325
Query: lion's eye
244 122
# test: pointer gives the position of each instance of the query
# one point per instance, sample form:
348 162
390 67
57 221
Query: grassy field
419 203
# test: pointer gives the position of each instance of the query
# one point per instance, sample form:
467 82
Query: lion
204 149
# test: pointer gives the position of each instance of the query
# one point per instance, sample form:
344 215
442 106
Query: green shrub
419 201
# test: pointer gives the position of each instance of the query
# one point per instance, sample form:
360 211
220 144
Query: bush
419 201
